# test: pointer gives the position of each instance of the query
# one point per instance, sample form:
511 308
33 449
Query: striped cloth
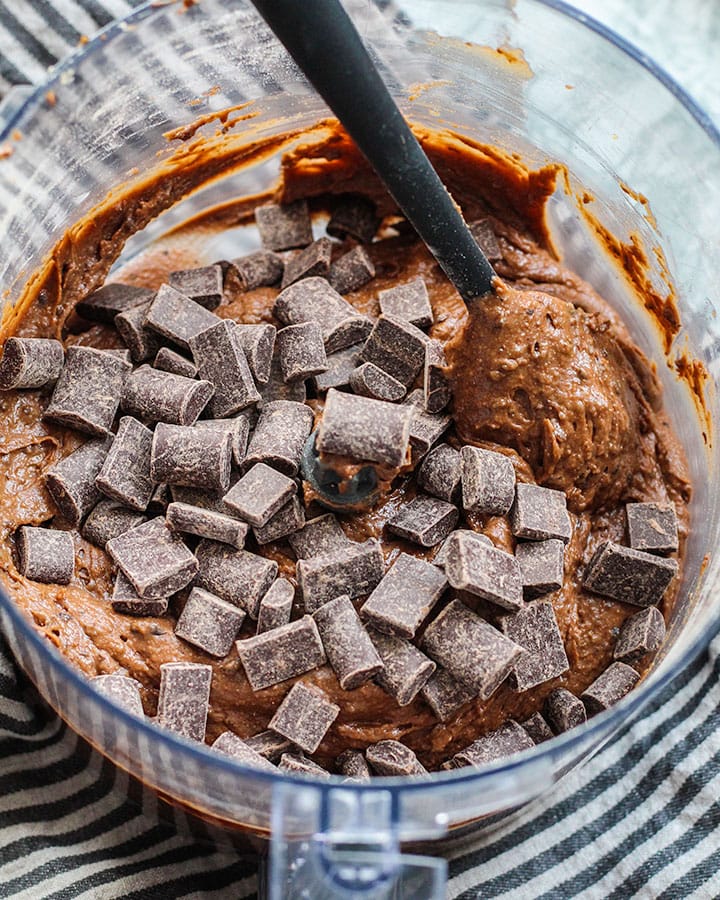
641 820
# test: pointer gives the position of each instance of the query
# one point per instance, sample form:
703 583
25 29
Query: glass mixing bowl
532 77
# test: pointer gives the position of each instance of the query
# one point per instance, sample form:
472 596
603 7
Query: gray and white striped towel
641 820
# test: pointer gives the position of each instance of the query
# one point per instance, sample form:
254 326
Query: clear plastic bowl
575 94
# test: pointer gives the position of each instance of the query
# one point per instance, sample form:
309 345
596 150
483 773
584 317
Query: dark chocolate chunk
107 520
301 351
436 388
541 566
393 758
364 429
126 600
237 576
312 260
352 764
405 597
119 352
485 238
259 269
122 690
348 647
631 576
355 570
470 649
286 521
537 728
210 623
313 300
278 389
396 347
280 436
405 668
155 396
45 554
207 523
424 520
71 481
445 694
640 634
203 285
539 514
318 536
425 429
409 302
258 343
471 565
304 716
506 740
351 271
232 745
154 559
168 360
281 653
125 474
299 764
198 497
259 494
340 367
440 558
239 428
110 300
535 629
276 606
609 687
142 342
160 500
178 318
191 457
269 745
370 381
30 363
439 473
354 216
221 360
184 698
87 393
652 527
488 481
564 710
283 227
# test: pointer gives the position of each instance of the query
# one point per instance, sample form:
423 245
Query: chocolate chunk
30 363
405 597
405 668
354 216
484 571
221 360
355 570
439 473
445 694
232 745
425 429
347 645
155 396
168 360
424 520
340 367
258 343
318 536
160 500
269 745
178 318
393 758
436 388
122 690
45 554
191 457
260 493
541 566
488 481
312 260
154 559
396 347
125 474
118 352
510 738
107 520
184 698
260 269
564 710
408 301
280 436
537 728
609 687
126 600
110 300
239 429
198 497
351 271
313 300
352 764
535 629
286 521
142 342
485 238
470 649
301 351
209 623
207 523
304 716
278 389
281 653
237 576
631 576
203 285
640 634
299 764
71 481
276 606
87 393
652 527
370 381
283 227
440 558
364 429
539 514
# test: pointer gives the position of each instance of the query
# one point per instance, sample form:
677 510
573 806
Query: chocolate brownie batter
544 373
